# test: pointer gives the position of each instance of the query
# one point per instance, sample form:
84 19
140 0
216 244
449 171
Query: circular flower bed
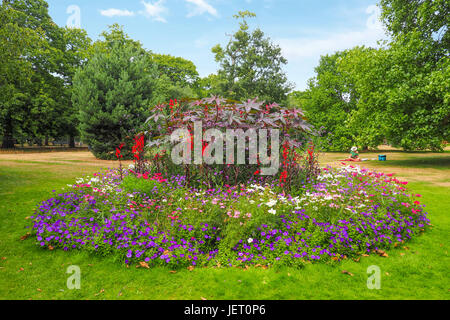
158 220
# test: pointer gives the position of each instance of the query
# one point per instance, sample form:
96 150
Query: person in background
354 155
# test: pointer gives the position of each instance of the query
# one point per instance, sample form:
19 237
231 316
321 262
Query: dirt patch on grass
421 167
69 158
414 167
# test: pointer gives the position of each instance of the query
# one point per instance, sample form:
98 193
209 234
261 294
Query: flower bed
156 220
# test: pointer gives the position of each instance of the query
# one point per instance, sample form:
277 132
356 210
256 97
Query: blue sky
304 29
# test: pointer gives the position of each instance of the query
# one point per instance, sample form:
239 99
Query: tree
75 53
403 96
27 53
399 92
113 93
179 70
177 77
429 18
251 66
209 86
328 102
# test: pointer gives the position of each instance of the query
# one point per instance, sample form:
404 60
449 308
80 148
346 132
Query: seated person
354 156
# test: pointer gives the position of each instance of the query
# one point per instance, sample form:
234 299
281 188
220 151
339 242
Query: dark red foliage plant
219 113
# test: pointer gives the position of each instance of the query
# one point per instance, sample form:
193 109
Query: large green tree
177 77
179 70
28 50
251 65
75 51
397 93
113 92
403 94
39 59
428 18
328 102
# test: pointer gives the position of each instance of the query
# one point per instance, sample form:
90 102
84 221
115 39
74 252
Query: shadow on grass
442 163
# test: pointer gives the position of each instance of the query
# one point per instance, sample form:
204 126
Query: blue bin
382 157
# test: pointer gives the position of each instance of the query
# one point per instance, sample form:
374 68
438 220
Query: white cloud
155 10
116 12
374 21
307 47
303 53
331 42
200 7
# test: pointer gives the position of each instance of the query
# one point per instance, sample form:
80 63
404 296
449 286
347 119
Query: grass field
419 270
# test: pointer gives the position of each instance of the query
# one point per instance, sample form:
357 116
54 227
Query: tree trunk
8 139
71 142
46 141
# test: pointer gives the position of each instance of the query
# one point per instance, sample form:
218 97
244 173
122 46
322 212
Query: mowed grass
417 271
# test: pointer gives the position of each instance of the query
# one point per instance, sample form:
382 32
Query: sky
304 29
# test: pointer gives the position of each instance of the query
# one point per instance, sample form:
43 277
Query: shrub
219 113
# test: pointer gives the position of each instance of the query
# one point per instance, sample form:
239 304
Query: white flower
324 176
249 240
252 201
271 203
257 187
272 211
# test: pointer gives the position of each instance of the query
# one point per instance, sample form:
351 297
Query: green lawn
419 271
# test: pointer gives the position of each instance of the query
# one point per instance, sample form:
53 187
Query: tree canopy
398 93
251 65
37 65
